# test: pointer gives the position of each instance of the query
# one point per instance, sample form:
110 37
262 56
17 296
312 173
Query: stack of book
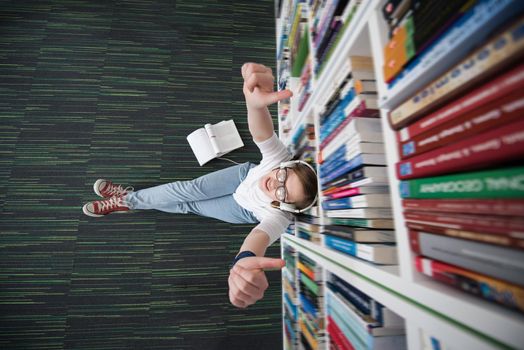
298 41
428 35
290 298
461 144
329 20
311 306
353 175
293 68
356 321
305 87
308 229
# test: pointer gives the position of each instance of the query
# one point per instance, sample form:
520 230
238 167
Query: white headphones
288 206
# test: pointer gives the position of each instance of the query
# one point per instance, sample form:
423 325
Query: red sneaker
103 207
106 189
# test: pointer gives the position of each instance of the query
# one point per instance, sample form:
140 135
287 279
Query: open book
213 141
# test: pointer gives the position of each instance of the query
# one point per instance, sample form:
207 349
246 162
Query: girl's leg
222 208
216 184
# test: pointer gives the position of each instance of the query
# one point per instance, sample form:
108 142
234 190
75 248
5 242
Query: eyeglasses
281 191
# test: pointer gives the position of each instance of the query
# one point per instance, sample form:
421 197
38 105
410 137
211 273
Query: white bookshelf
457 319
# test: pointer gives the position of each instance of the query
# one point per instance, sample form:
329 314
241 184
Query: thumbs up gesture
258 86
247 280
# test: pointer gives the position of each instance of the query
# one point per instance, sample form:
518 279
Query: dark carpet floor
110 89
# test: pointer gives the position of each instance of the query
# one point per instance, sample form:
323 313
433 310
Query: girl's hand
258 86
247 280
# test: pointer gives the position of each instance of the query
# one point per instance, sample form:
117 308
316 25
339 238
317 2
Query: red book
478 152
360 111
491 91
489 116
512 226
492 289
506 240
337 335
356 191
505 207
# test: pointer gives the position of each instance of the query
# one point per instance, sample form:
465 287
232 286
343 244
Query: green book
499 183
309 283
303 51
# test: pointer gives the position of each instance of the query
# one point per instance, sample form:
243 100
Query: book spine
484 223
347 167
307 306
353 320
492 260
360 111
347 247
490 238
500 51
336 333
503 85
346 193
494 290
505 207
489 184
358 299
350 333
498 113
337 116
487 149
344 331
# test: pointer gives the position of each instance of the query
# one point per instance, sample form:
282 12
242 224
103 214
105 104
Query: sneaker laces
119 190
111 203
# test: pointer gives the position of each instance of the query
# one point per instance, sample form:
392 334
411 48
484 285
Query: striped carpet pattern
110 89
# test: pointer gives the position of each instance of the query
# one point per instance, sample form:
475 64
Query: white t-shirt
251 197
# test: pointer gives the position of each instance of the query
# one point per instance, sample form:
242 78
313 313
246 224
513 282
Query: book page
201 146
212 138
227 136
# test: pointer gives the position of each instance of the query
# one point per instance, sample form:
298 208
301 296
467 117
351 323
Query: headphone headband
291 207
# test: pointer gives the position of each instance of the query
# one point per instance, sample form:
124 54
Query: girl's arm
258 91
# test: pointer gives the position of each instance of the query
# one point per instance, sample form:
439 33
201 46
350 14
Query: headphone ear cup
288 207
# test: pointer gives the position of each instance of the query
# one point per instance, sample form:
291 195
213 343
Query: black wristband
241 255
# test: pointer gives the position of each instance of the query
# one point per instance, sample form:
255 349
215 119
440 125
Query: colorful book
364 213
492 289
490 116
515 241
488 184
502 85
365 326
359 235
376 253
361 109
340 184
353 164
337 335
362 201
365 172
491 260
500 51
366 223
353 145
364 303
490 148
504 207
350 192
391 342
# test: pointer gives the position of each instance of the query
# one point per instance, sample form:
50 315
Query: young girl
267 194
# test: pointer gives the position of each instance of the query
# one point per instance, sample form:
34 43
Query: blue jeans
210 195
